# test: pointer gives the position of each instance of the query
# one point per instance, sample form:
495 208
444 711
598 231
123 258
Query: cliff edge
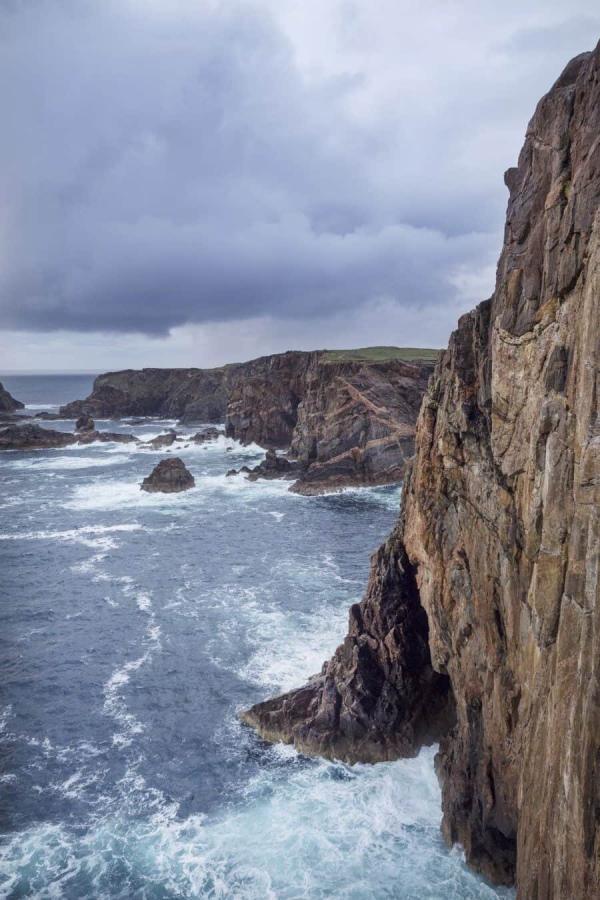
481 620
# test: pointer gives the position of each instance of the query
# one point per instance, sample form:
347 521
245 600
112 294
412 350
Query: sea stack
490 580
170 476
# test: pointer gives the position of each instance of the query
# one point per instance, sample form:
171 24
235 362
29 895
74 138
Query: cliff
348 417
498 546
7 402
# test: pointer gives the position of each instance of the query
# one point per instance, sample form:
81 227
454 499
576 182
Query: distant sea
38 391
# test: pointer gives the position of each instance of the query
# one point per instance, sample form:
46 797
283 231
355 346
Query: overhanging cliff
499 544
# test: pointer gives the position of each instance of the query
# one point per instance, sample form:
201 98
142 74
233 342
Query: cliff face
348 421
500 540
356 422
200 394
263 400
8 402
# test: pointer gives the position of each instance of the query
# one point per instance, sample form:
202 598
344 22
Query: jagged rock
169 477
379 697
272 466
7 401
85 423
33 437
501 530
48 416
163 440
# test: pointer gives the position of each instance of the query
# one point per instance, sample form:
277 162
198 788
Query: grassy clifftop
381 354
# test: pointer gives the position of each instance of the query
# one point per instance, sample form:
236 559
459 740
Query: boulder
169 477
84 423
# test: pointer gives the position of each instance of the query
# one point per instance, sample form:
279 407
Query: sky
193 182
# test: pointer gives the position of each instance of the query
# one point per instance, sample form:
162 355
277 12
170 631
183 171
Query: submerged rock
169 477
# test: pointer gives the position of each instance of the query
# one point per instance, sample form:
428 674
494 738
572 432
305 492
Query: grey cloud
166 165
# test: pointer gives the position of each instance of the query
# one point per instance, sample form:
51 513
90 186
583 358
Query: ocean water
134 628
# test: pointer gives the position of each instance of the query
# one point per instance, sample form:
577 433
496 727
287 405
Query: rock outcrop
8 402
272 466
170 476
163 440
499 545
28 436
347 417
33 437
85 423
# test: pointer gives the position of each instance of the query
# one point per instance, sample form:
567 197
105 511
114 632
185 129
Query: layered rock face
500 535
356 422
347 421
8 402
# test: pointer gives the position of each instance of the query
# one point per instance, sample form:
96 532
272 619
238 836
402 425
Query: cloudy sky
190 182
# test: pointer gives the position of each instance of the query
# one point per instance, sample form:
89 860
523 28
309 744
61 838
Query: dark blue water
134 627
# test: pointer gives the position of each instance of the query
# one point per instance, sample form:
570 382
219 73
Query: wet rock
208 434
163 440
169 476
105 437
33 437
273 466
85 423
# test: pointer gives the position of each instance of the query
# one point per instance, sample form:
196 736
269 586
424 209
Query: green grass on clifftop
381 354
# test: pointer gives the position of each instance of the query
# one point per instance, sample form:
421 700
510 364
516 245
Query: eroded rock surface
170 476
501 532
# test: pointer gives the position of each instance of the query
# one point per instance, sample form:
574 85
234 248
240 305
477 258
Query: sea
134 628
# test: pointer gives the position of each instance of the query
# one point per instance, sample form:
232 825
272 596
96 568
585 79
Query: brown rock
170 476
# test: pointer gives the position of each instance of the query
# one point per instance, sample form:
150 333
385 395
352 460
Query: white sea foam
70 461
312 831
84 535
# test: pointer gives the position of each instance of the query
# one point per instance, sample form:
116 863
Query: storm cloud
166 164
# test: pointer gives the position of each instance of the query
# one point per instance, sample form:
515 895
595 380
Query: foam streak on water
134 628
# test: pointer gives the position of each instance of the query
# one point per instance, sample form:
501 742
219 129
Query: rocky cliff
8 402
347 419
498 547
356 422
